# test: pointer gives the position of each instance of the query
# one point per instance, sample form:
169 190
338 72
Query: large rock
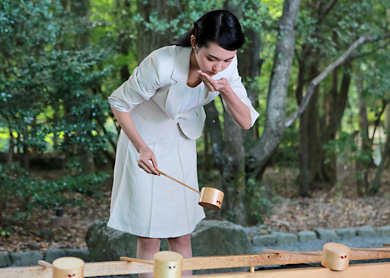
213 238
210 238
107 244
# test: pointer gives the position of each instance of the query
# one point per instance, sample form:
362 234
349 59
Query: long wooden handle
317 254
189 187
134 260
290 252
371 249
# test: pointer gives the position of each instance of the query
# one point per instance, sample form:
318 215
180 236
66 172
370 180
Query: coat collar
173 97
182 64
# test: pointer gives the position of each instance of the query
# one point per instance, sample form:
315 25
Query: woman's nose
217 67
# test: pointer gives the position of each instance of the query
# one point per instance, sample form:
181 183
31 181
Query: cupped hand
220 85
147 161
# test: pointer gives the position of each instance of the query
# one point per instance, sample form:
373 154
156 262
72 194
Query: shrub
30 192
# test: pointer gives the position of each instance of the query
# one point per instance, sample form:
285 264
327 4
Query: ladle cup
210 198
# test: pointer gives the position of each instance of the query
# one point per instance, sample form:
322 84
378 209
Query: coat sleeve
141 85
237 86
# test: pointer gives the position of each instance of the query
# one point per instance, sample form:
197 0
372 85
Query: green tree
46 81
327 31
47 91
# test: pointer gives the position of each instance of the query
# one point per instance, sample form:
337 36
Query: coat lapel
180 76
171 100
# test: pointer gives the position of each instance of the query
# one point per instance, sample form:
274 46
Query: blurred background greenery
61 59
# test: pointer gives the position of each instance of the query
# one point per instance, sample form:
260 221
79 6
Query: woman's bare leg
181 245
146 248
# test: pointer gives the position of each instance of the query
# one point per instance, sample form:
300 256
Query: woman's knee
148 243
180 242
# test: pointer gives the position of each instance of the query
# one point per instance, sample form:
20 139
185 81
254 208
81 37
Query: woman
160 111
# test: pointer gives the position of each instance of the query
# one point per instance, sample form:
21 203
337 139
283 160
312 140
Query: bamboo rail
220 262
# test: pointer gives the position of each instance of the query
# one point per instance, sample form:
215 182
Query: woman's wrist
141 147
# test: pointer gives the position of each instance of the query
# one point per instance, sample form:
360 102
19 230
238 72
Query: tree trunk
317 175
148 39
303 156
124 39
362 161
10 154
231 161
335 115
82 9
233 175
375 186
249 66
303 152
213 127
274 128
313 129
387 125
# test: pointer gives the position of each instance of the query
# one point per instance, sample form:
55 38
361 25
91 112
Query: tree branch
326 71
326 12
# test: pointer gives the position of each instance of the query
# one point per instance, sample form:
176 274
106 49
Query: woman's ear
193 41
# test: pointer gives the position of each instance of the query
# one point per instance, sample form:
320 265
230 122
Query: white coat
155 96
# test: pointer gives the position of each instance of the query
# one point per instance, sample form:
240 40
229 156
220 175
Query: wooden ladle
65 267
335 256
210 198
166 264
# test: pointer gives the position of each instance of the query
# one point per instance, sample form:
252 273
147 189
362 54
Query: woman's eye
210 59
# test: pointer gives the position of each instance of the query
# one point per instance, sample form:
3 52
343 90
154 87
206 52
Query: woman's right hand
147 160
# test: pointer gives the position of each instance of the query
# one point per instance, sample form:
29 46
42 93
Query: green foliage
377 78
347 150
49 81
50 92
17 184
5 232
259 200
342 146
58 66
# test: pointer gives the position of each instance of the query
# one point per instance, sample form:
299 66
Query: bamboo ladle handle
133 260
371 249
290 252
317 254
189 187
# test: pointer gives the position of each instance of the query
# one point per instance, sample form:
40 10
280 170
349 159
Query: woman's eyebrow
215 57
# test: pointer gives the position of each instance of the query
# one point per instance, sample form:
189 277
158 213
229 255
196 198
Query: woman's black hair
219 26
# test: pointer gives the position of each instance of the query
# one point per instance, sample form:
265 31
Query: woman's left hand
239 111
220 85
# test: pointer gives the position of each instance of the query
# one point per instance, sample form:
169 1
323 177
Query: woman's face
213 58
